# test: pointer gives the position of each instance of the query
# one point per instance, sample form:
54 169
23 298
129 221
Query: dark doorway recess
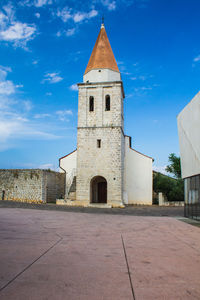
98 190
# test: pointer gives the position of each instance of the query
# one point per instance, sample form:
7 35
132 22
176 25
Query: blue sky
45 46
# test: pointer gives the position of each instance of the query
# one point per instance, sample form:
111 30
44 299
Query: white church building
104 170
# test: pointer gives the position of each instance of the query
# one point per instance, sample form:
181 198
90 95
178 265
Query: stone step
61 202
73 186
100 205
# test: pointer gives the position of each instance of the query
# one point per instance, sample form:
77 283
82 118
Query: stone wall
100 117
33 185
55 185
105 161
108 160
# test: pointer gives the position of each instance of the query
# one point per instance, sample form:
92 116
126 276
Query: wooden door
102 192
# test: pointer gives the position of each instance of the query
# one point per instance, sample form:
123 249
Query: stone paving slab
67 255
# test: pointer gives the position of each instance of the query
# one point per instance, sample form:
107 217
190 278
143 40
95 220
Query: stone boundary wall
162 201
173 203
31 185
55 186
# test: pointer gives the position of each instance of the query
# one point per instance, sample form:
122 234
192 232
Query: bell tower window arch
107 102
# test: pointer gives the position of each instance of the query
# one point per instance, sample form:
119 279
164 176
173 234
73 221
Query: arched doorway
98 190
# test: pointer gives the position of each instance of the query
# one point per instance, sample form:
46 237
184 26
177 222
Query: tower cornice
103 84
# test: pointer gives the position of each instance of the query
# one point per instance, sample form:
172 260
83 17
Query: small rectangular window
91 103
98 143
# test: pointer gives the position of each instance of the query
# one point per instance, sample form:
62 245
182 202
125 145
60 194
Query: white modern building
104 170
189 141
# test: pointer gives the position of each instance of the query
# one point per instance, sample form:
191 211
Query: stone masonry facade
107 126
31 185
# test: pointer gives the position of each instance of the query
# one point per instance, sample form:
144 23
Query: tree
172 188
175 165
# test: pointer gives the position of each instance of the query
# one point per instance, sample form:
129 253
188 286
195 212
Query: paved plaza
46 254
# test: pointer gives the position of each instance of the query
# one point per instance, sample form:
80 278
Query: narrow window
107 102
98 143
91 103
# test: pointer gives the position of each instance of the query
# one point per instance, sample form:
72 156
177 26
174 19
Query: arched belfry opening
98 190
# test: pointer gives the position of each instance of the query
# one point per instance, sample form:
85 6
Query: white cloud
59 33
8 128
46 166
35 62
25 3
3 72
66 14
63 114
3 19
143 88
14 127
79 16
19 86
40 3
27 105
7 87
5 102
129 96
18 31
70 32
36 3
41 166
74 87
111 5
37 15
52 78
126 73
15 124
41 116
10 13
197 58
14 31
92 13
141 77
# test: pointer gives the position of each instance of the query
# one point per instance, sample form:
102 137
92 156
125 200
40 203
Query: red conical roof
102 56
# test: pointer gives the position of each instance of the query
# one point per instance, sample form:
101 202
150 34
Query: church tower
104 170
100 138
